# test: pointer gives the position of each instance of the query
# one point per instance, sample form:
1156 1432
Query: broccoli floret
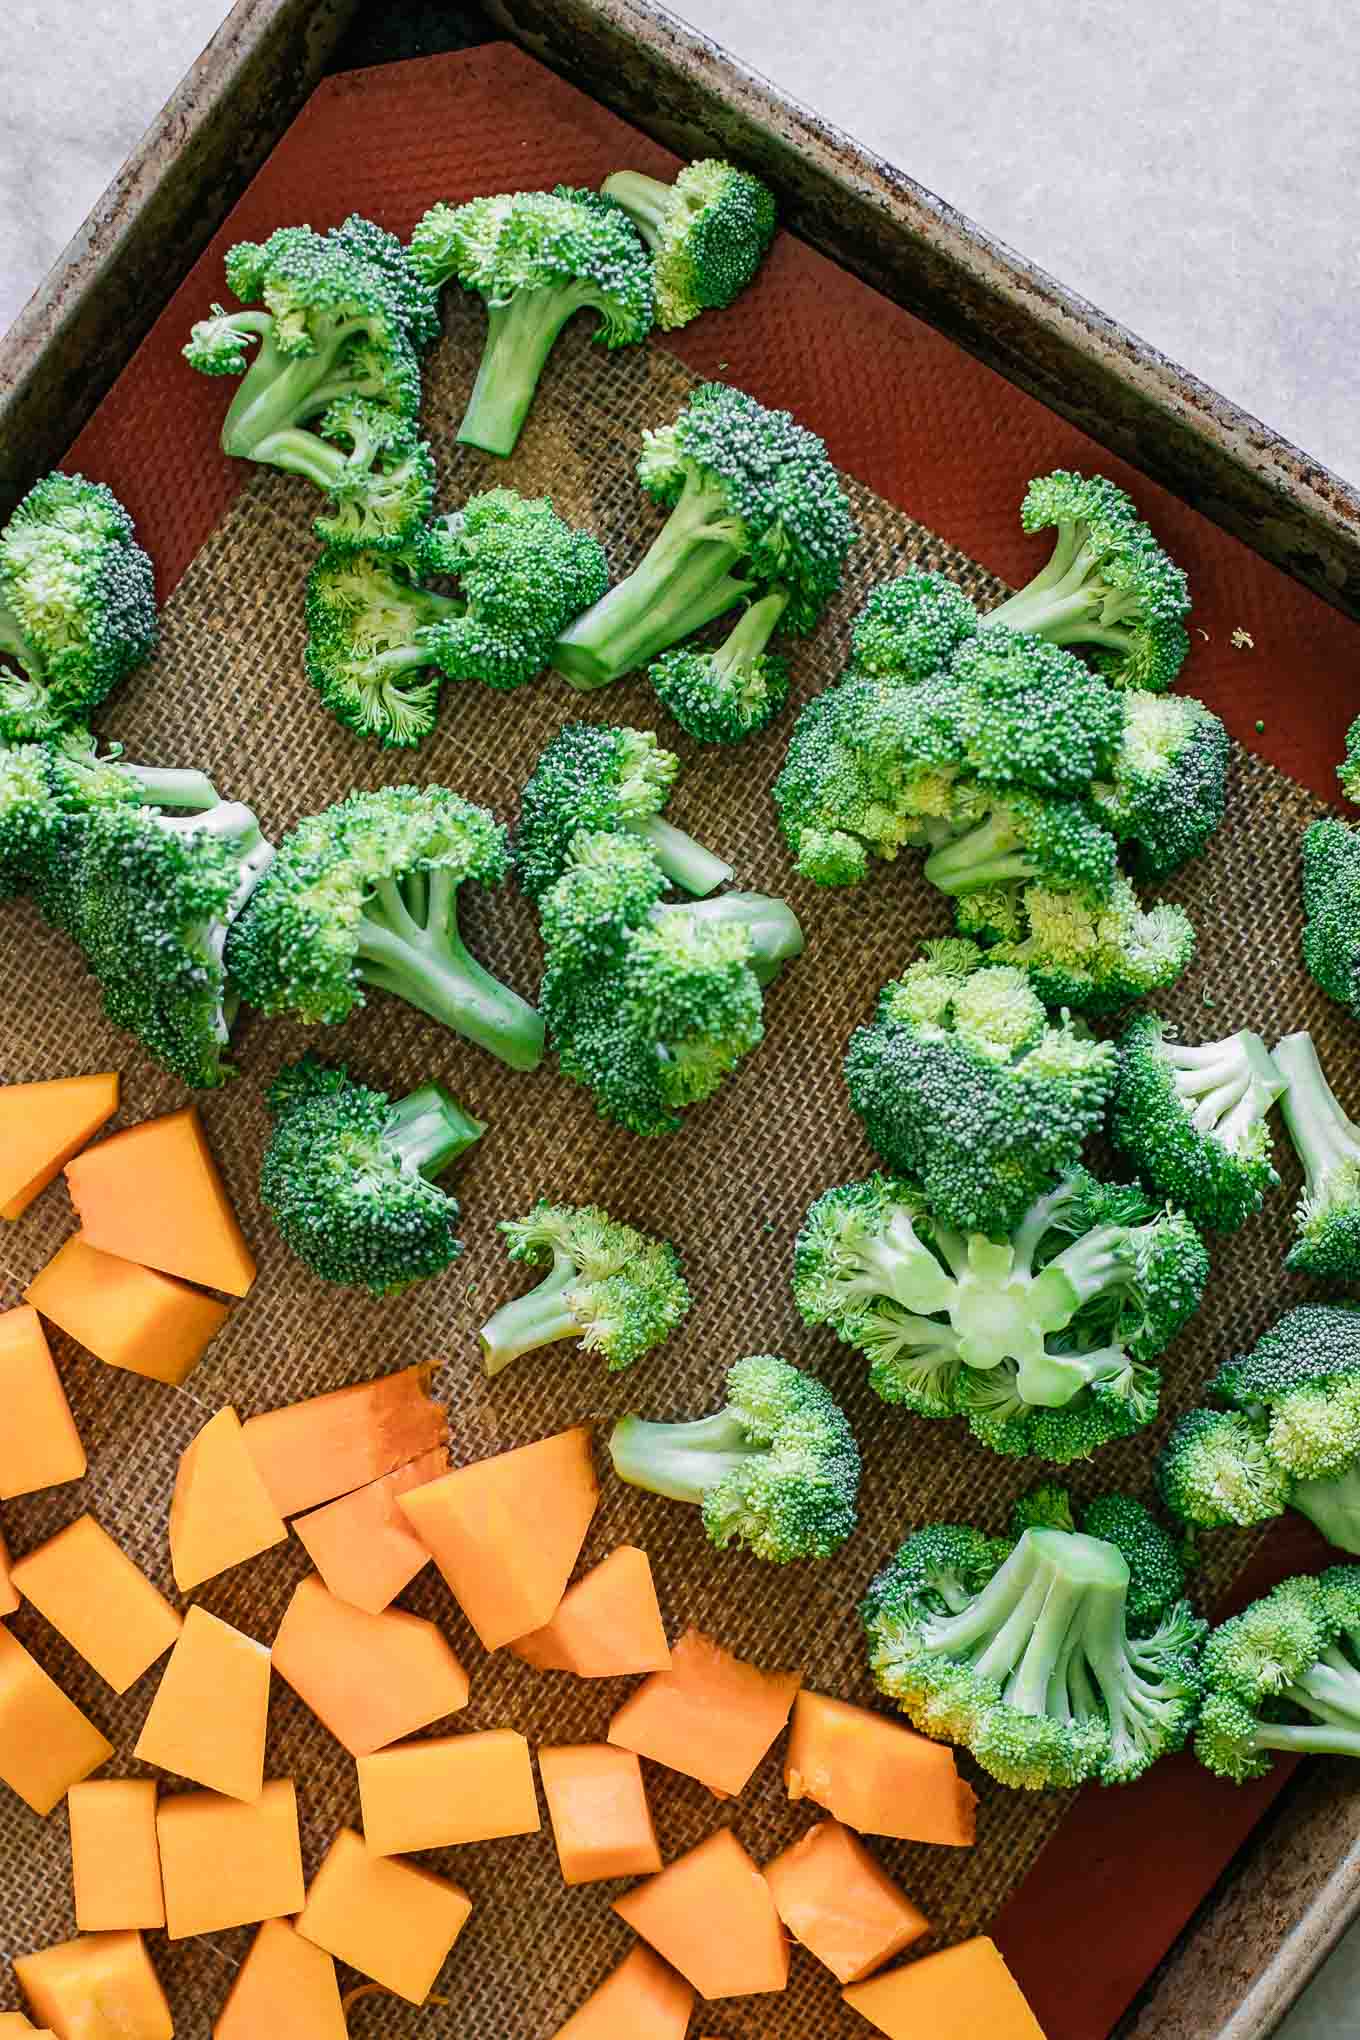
1166 792
535 258
756 506
1348 771
1284 1675
729 692
1327 1217
964 1084
349 1176
1031 1655
776 1469
911 627
708 232
1093 959
1216 1469
1331 905
1108 586
618 1291
27 816
1022 836
598 779
1046 1507
1031 715
77 606
365 894
1193 1122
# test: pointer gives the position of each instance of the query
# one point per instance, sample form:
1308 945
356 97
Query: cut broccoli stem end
685 862
1321 1133
646 200
429 1130
520 337
527 1323
1027 1622
680 1461
1333 1507
425 962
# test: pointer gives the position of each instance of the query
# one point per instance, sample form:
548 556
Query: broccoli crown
77 606
28 816
1167 789
722 695
1031 715
964 1084
776 1469
1348 771
1327 1217
1284 1675
1029 1653
1193 1122
348 1176
1046 1507
1331 906
618 1291
1091 958
911 627
1216 1468
707 231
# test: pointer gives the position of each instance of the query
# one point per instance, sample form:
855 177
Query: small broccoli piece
1108 586
1046 1507
1284 1675
1216 1469
1023 836
756 506
1093 959
535 258
708 232
1348 771
1327 1217
1031 1656
911 628
722 695
81 777
349 1176
1168 787
617 1290
77 606
365 894
1331 905
776 1469
597 779
964 1083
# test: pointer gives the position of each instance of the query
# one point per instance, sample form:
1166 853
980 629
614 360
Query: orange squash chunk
226 1863
711 1916
9 1599
211 1711
105 1607
286 1989
641 2000
876 1775
70 1986
310 1452
451 1789
42 1125
834 1898
220 1513
371 1678
955 1995
153 1194
712 1715
126 1315
391 1921
597 1803
362 1545
46 1743
115 1857
506 1532
39 1444
606 1626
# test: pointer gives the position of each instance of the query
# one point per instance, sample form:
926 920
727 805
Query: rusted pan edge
924 255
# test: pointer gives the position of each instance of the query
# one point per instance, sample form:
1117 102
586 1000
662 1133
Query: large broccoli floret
77 606
756 507
365 894
1168 787
1063 1656
1284 1675
1328 1145
1331 905
1193 1122
911 627
1093 959
776 1469
708 232
964 1084
723 694
535 258
349 1176
618 1291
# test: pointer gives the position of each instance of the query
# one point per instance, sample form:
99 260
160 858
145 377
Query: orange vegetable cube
506 1532
834 1898
226 1863
126 1315
955 1995
597 1803
391 1921
153 1194
310 1452
211 1711
711 1916
42 1125
105 1607
362 1545
220 1513
39 1444
286 1989
641 2000
877 1775
454 1788
46 1743
712 1715
70 1986
371 1678
606 1626
9 1598
115 1857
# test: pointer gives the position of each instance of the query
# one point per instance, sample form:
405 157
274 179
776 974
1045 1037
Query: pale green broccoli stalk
707 231
776 1469
1348 771
1167 789
911 627
729 692
1091 959
1284 1675
618 1291
1327 1143
1331 906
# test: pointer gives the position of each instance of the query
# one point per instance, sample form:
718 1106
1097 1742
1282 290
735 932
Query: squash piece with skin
448 1790
210 1716
115 1857
39 1444
711 1716
389 1920
310 1452
226 1863
362 1545
153 1194
711 1916
286 1989
876 1775
372 1679
46 1743
597 1804
834 1898
642 1997
42 1126
220 1513
126 1315
105 1606
607 1626
101 1987
956 1994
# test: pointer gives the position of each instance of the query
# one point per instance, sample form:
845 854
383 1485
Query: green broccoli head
1167 789
1046 1507
728 693
1331 905
1327 1217
1284 1675
911 627
618 1291
1091 958
708 232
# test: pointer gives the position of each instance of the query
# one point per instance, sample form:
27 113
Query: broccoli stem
1061 603
990 854
1051 1380
1329 1691
167 787
776 936
681 1461
1333 1507
428 1130
520 337
685 862
751 632
1229 1085
1097 1264
1322 1134
280 390
646 200
1027 1627
541 1318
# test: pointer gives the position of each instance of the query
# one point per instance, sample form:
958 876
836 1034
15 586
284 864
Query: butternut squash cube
711 1716
607 1626
597 1804
834 1898
39 1444
153 1194
452 1789
641 1998
42 1125
310 1452
711 1916
99 1986
211 1711
220 1513
46 1743
507 1531
226 1863
115 1857
876 1775
957 1994
126 1315
286 1989
391 1921
362 1545
104 1605
372 1679
9 1598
